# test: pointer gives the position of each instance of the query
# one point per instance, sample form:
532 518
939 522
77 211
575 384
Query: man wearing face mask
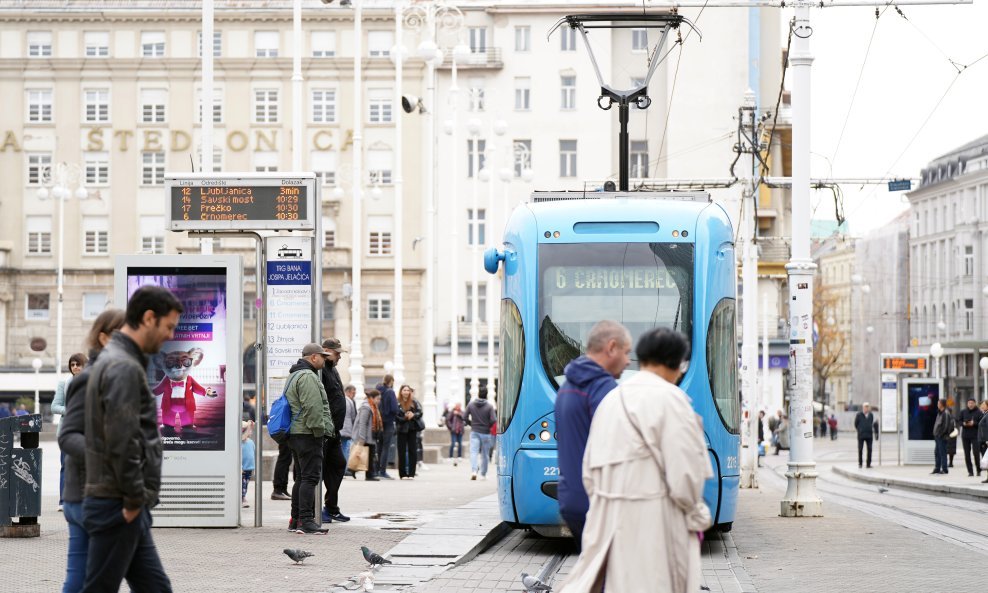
588 379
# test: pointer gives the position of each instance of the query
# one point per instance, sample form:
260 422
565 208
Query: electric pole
749 285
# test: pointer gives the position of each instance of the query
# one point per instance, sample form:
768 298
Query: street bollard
20 476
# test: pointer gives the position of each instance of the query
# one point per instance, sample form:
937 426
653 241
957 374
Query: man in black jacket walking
389 413
942 427
970 417
123 449
333 462
864 423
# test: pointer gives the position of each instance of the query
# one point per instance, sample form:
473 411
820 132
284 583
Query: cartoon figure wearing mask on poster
178 389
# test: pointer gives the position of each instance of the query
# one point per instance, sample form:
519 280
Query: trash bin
20 476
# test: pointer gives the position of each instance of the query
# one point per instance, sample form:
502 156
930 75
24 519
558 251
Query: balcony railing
489 57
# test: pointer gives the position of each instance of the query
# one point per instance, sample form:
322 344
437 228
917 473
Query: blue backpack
280 420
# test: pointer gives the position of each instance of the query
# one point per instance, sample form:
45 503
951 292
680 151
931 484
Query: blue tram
570 259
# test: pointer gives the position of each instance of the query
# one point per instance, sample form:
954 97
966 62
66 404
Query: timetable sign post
241 201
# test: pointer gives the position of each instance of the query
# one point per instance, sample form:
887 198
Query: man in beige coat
644 469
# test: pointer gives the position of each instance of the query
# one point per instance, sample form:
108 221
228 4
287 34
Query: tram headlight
545 435
545 424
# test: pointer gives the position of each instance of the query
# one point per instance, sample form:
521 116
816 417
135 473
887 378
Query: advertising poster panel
890 403
921 408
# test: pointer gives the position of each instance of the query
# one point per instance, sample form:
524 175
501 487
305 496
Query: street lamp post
36 364
498 128
983 363
57 181
356 252
473 127
936 351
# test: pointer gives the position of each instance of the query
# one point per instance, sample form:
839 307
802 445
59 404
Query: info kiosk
196 382
919 413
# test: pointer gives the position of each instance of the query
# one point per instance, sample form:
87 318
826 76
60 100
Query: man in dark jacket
970 417
942 428
481 418
983 435
588 379
864 423
333 462
123 449
389 413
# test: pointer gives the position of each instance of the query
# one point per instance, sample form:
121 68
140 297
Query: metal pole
749 314
260 375
763 396
623 146
398 315
297 89
206 103
801 498
60 193
356 251
474 270
429 379
491 282
455 381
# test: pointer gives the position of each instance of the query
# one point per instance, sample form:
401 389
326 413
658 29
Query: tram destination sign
905 363
241 201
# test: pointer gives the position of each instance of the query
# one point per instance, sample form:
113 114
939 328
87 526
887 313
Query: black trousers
120 550
971 450
384 450
575 522
307 453
333 468
407 454
861 443
281 466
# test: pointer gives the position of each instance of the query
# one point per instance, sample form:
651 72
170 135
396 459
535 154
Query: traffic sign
900 185
241 201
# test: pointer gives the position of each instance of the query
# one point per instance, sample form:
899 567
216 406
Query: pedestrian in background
247 453
346 433
942 427
333 460
389 414
983 435
5 411
480 417
76 363
72 443
782 434
123 449
832 423
952 436
970 418
454 424
280 475
644 469
407 429
365 427
864 422
589 378
773 425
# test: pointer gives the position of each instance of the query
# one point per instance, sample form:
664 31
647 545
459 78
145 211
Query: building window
475 95
523 93
378 306
152 234
217 105
969 315
328 308
323 44
266 44
97 44
324 164
323 106
39 45
476 226
217 43
153 168
93 303
568 91
523 38
97 105
478 40
567 158
328 232
153 103
639 40
266 106
481 302
379 229
37 167
96 235
476 153
522 156
37 306
217 158
39 105
379 43
638 161
568 39
379 103
153 44
97 168
380 162
265 161
38 235
968 260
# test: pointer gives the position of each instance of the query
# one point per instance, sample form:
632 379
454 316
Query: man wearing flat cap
333 462
311 424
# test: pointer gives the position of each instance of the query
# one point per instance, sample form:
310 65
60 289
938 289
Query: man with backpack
311 424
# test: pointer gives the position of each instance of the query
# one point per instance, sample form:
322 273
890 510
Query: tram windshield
641 285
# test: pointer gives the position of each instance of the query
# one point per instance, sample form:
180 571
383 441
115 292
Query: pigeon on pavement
533 584
882 490
373 558
297 555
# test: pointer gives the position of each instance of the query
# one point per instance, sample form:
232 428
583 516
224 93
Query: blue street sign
900 185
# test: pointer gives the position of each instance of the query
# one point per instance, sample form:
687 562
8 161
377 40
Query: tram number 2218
550 471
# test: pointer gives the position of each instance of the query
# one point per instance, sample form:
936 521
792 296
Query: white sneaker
60 509
483 477
473 475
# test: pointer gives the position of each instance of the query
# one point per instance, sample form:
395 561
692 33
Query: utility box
20 476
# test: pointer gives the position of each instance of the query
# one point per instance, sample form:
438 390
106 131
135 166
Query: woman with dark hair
644 469
407 428
366 428
72 441
76 362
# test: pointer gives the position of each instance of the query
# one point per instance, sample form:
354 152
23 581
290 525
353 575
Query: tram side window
722 363
512 362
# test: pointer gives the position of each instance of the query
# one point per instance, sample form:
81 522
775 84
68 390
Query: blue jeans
940 455
245 476
345 443
75 568
119 550
480 452
457 441
61 475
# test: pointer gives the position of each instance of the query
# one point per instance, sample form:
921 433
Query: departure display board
905 363
242 201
